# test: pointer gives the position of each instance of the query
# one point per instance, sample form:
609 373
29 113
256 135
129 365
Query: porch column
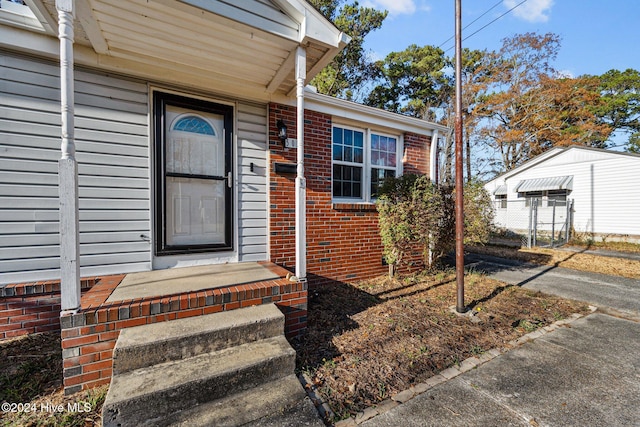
301 182
67 167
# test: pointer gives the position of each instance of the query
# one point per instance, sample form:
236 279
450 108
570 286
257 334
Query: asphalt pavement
586 373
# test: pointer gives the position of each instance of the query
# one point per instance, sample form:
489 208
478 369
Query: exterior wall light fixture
282 131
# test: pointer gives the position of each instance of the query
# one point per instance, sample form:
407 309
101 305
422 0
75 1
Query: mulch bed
369 341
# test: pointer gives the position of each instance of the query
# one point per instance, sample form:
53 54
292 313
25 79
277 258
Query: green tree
411 211
351 69
411 82
620 106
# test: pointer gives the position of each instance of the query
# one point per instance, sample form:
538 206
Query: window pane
346 173
375 157
347 182
337 152
377 179
347 146
337 189
358 155
356 189
346 188
348 137
391 159
392 145
337 136
348 154
357 174
383 151
358 138
337 172
192 144
375 142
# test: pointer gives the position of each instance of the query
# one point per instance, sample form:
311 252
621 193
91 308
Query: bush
478 213
414 212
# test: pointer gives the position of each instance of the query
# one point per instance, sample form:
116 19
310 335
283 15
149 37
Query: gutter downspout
433 157
301 182
68 167
433 176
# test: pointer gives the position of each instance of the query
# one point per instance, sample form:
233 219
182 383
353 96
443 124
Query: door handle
229 178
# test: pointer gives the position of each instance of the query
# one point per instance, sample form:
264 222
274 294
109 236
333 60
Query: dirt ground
31 383
369 341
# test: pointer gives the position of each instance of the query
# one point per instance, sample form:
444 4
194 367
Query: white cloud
565 74
531 10
395 7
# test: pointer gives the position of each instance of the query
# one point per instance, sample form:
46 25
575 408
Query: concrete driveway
585 374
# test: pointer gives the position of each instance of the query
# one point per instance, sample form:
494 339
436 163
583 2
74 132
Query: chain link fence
534 221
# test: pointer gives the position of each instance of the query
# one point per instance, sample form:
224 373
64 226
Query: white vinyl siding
111 133
252 193
605 190
112 143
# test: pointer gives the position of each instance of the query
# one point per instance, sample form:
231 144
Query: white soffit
258 14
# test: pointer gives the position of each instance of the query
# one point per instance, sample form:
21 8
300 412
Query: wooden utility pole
460 308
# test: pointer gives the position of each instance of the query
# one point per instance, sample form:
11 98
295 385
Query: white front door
195 175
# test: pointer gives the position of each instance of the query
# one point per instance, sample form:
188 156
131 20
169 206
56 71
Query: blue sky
597 35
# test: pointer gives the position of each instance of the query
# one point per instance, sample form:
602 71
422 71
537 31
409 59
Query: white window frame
366 196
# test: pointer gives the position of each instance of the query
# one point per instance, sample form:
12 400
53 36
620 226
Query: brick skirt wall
27 308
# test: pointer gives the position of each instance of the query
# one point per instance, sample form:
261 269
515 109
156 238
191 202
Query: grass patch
606 245
568 259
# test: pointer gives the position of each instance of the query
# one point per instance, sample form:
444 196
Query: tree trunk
447 177
468 154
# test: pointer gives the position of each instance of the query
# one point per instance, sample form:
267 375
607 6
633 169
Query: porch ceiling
214 43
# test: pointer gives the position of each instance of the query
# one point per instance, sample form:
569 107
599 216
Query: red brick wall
27 308
343 242
282 189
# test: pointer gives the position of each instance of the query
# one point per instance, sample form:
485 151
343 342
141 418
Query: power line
472 22
491 22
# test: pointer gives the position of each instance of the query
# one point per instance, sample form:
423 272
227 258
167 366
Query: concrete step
269 400
150 345
149 395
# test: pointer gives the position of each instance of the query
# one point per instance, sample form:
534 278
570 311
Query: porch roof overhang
544 184
243 48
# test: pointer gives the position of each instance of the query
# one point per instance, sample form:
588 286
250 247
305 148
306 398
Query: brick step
149 395
272 401
156 343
